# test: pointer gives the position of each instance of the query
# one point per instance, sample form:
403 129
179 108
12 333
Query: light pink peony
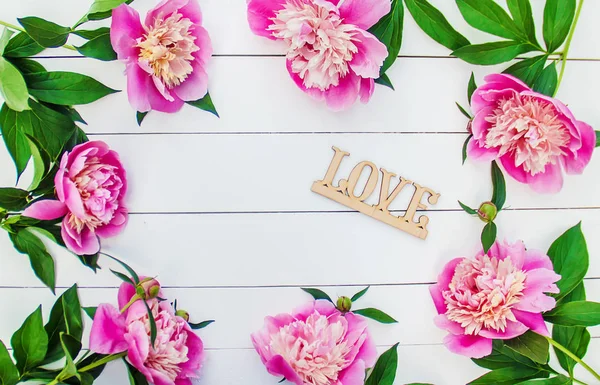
498 295
330 54
90 186
178 352
535 137
166 57
316 345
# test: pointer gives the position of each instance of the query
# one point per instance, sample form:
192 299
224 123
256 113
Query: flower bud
183 314
148 288
344 304
470 127
487 212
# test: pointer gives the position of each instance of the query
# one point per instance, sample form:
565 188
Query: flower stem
568 45
11 26
133 299
102 361
573 357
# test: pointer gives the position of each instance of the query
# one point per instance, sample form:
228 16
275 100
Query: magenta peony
316 345
178 352
535 137
330 54
498 295
90 186
166 57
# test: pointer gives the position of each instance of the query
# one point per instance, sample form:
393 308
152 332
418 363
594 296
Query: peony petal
164 9
480 126
205 43
195 353
46 210
315 93
470 346
192 11
481 153
367 87
277 366
125 29
354 374
260 13
442 322
517 172
547 182
126 292
513 329
116 225
576 162
84 243
343 95
446 275
108 331
364 13
438 299
195 86
533 321
367 62
139 347
503 81
535 259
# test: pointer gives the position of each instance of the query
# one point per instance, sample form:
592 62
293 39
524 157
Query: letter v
384 199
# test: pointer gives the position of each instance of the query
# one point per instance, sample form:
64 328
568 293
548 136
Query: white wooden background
221 209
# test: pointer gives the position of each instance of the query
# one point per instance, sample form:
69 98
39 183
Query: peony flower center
99 187
170 349
315 349
483 292
166 49
320 44
530 130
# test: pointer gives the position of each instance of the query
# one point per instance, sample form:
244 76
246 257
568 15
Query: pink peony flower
316 345
535 137
177 354
330 54
90 186
166 57
498 295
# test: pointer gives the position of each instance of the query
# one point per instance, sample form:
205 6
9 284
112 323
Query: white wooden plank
235 37
238 312
262 98
241 173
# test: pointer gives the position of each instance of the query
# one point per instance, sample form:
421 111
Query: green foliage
317 294
21 46
41 261
205 104
487 16
12 86
570 258
9 374
66 88
13 199
384 371
576 313
528 70
65 317
531 345
30 342
547 81
492 53
44 32
200 325
375 314
359 295
99 48
388 30
435 24
499 186
558 17
488 236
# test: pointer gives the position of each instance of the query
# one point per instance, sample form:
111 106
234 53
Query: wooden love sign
344 194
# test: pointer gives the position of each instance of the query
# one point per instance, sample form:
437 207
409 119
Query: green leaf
503 357
122 277
50 128
570 259
140 116
200 325
384 80
547 81
30 342
41 162
99 48
576 339
65 317
13 199
135 377
376 315
531 345
68 111
45 33
471 87
78 137
317 294
384 371
492 53
388 30
153 330
597 138
90 311
71 348
488 236
499 185
359 295
528 70
558 380
9 374
205 104
465 147
463 111
467 208
136 278
66 88
21 46
508 376
523 17
12 86
27 66
487 16
41 261
92 34
104 5
558 17
101 15
577 313
435 24
4 38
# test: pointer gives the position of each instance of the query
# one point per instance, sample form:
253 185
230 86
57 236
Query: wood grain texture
222 209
